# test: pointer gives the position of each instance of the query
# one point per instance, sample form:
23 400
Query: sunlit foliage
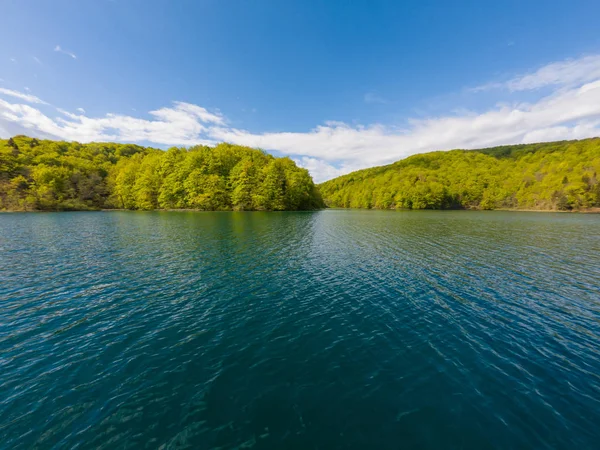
50 175
548 176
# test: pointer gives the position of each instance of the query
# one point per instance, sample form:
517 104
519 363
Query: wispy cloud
67 113
321 170
371 97
81 110
570 72
569 111
180 124
37 60
22 96
14 60
59 49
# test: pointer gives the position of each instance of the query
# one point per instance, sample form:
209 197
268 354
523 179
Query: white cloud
370 97
570 72
67 113
27 89
59 49
81 110
37 60
570 111
13 60
321 169
20 95
181 124
569 114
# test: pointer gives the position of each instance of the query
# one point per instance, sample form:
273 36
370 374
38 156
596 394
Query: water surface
332 329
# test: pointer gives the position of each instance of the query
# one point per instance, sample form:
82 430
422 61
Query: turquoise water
331 329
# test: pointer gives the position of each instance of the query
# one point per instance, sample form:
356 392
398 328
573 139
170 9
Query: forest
548 176
50 175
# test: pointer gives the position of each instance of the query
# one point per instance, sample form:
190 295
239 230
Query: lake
330 329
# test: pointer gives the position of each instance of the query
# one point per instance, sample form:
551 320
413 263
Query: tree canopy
547 176
55 175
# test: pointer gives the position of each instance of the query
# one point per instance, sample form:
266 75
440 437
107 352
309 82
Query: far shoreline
595 210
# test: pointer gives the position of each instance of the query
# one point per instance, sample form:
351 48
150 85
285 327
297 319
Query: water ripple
334 329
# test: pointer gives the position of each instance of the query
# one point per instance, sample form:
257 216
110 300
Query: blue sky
336 85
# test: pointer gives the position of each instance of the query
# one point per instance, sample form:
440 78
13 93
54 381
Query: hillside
53 175
548 176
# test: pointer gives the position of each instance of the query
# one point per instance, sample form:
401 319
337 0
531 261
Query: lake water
331 329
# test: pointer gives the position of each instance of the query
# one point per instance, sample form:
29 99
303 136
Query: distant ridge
560 176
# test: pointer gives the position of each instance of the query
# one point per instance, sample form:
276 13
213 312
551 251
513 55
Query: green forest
50 175
549 176
54 175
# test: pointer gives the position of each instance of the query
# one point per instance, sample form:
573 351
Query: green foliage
49 175
546 176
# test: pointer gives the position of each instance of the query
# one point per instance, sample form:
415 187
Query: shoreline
595 210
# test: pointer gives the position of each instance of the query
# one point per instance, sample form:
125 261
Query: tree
243 184
272 191
523 176
58 175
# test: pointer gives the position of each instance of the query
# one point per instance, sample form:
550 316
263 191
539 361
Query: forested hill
549 176
52 175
